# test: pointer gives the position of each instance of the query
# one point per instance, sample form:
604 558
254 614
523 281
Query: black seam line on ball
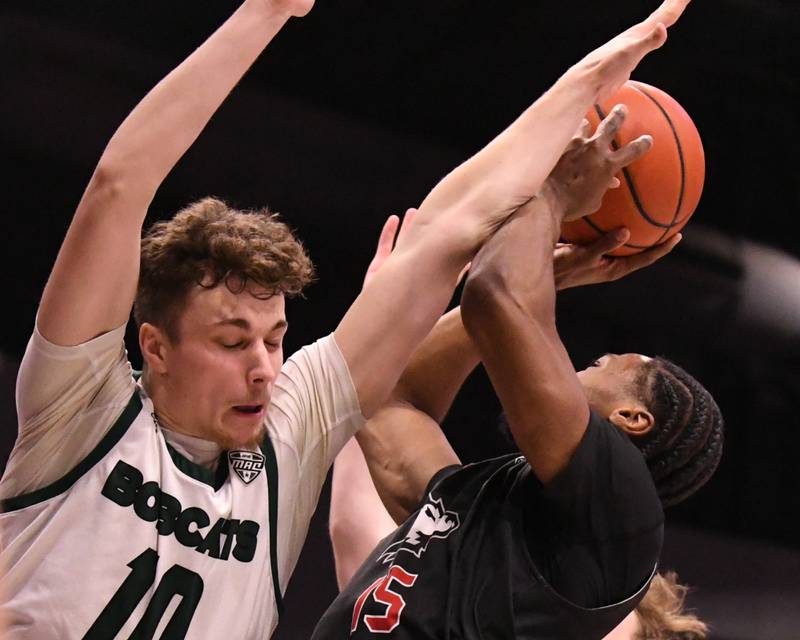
631 186
680 155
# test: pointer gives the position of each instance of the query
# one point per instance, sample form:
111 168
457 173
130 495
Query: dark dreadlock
684 447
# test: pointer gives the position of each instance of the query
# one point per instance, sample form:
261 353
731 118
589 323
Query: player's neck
165 416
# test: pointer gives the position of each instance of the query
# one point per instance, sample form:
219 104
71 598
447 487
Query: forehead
629 365
208 307
634 358
624 361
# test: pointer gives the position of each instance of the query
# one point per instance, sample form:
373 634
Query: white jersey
138 541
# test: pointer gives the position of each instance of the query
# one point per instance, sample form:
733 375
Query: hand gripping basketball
661 190
588 166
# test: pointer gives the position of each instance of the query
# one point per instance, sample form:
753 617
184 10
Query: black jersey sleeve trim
271 465
628 603
63 484
214 479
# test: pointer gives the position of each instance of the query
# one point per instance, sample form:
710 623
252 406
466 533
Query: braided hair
684 446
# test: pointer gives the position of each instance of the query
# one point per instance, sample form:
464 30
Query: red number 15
382 593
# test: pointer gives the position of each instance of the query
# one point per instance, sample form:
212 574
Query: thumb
386 239
408 220
608 242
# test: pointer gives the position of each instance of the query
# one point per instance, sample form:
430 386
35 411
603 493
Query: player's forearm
514 270
517 162
532 375
166 122
438 367
462 211
512 168
512 321
403 448
395 312
384 444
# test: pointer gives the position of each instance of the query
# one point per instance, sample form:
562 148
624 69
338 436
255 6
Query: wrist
553 197
581 83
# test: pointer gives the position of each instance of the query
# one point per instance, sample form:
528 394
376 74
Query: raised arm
508 304
93 283
403 443
359 518
404 300
440 365
511 169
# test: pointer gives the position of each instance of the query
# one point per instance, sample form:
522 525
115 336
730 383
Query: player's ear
153 344
634 420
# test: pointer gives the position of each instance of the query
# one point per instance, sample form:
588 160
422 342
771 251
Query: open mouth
248 409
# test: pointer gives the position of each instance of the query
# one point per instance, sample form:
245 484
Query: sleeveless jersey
150 544
459 567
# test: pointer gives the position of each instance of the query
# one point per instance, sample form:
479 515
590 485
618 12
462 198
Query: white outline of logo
412 537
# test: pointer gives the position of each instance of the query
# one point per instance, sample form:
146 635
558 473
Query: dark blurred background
357 110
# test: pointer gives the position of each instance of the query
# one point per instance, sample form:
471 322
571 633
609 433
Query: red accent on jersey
360 603
395 603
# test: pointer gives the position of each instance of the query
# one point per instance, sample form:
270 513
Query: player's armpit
404 448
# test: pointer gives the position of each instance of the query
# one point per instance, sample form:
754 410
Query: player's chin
241 436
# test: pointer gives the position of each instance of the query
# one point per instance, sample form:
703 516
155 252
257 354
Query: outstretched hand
588 166
614 61
578 265
389 237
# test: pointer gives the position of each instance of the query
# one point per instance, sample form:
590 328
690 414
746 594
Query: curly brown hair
662 615
208 243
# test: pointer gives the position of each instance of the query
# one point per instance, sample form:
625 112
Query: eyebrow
241 323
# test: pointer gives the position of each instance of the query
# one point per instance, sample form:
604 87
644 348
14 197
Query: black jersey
481 555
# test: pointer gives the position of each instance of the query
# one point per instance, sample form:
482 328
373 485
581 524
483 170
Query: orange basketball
659 192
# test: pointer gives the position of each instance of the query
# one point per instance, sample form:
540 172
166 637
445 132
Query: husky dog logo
433 521
246 464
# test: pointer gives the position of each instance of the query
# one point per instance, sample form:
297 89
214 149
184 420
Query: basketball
659 192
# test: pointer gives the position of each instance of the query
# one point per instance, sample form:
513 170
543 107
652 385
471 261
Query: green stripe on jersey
271 464
63 484
214 479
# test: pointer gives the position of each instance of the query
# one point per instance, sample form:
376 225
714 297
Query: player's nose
261 370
